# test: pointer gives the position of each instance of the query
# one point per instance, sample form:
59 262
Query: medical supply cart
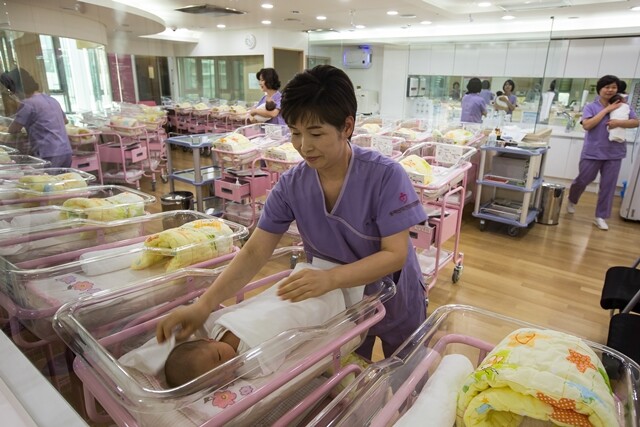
443 200
198 176
507 186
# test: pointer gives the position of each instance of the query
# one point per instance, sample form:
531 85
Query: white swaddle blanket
620 113
437 402
253 321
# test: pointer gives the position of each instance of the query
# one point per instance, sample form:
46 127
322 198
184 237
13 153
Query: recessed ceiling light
426 22
636 8
266 6
266 22
321 18
221 26
484 4
573 17
392 12
360 27
508 17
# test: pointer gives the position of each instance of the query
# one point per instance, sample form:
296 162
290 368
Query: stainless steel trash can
550 203
178 200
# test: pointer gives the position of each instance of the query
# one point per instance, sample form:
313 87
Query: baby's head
191 359
615 98
269 105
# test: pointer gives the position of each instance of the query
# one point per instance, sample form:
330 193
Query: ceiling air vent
210 9
514 6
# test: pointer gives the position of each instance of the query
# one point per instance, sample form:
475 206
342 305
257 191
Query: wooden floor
549 275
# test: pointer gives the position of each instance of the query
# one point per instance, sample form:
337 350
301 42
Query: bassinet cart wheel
153 186
457 272
483 225
164 177
513 231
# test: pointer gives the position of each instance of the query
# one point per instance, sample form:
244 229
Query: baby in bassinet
234 330
269 106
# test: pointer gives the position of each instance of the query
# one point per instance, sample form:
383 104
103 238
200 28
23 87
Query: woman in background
599 154
44 120
486 93
512 101
269 84
473 105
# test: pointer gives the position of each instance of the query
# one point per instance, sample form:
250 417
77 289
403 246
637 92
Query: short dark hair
324 93
474 85
269 105
499 93
486 84
509 82
606 81
270 77
622 86
179 368
615 98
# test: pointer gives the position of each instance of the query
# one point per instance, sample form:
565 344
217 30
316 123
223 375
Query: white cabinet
573 158
557 157
419 60
442 57
465 61
492 59
557 58
620 56
583 58
525 59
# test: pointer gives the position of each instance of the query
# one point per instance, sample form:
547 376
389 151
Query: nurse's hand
188 318
609 108
305 284
612 124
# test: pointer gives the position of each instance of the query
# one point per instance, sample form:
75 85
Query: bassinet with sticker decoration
102 328
433 374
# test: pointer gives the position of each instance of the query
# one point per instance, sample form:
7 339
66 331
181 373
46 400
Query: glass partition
74 72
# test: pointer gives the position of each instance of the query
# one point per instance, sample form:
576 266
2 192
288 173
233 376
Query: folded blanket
48 183
458 136
436 404
120 206
78 134
418 169
285 152
540 374
234 142
188 244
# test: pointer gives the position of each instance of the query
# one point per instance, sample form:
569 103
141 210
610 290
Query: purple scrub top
513 99
487 95
473 106
596 141
277 98
377 200
42 117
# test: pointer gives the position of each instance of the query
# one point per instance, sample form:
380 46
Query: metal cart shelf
199 175
507 186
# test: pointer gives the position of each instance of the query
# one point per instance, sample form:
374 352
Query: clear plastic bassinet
44 267
101 328
387 389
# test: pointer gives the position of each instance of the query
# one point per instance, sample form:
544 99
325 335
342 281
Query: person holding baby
268 108
353 208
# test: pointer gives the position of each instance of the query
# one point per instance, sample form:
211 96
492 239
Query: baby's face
214 353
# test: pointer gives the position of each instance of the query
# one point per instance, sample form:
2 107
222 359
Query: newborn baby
244 326
269 106
620 113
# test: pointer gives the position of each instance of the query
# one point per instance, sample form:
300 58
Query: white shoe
571 207
601 224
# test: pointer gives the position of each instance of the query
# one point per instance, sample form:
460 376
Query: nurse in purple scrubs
353 207
599 154
473 105
508 87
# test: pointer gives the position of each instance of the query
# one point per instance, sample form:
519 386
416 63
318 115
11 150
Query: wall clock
250 41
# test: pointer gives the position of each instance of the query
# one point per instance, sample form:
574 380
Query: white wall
142 47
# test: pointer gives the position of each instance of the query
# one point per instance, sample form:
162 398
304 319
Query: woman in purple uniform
352 206
598 153
473 105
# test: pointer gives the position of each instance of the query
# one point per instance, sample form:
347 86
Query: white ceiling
450 19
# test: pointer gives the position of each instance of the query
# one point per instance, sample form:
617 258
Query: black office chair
621 292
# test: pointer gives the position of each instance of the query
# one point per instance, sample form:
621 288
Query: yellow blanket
120 206
188 244
541 374
47 183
